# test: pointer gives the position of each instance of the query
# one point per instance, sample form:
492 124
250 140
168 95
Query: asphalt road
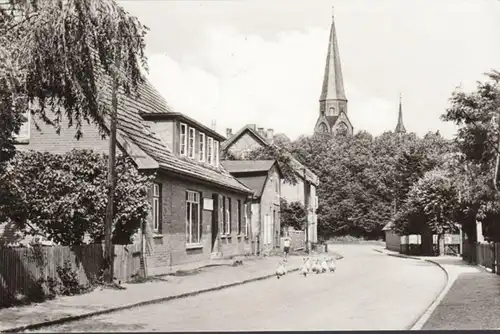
369 291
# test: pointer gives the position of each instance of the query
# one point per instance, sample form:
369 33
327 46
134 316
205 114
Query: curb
129 306
420 322
427 314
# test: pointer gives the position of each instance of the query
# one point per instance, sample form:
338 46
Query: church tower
400 128
333 102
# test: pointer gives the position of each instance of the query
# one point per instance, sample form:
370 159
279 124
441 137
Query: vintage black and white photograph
249 165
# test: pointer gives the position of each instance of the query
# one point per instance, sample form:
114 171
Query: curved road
369 291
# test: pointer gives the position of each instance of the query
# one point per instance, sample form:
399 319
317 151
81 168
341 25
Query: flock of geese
319 266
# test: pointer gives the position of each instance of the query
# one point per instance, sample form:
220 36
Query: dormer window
191 150
216 153
183 143
202 147
210 150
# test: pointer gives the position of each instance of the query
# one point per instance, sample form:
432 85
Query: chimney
270 135
261 132
212 125
252 126
229 132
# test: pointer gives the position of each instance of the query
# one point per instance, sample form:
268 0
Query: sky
262 61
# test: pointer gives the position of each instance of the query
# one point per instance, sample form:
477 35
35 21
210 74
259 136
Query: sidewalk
156 290
470 300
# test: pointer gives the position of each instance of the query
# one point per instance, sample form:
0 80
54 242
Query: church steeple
400 128
333 102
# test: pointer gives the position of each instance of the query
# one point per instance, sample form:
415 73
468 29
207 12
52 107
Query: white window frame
191 143
210 150
202 150
246 220
183 140
156 207
193 197
216 153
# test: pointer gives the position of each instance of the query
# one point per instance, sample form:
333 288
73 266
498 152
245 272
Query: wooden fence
483 254
22 268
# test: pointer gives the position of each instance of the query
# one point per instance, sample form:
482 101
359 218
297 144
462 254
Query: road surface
369 291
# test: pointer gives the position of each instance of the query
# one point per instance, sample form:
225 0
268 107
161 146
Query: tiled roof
132 130
388 226
256 183
299 168
242 166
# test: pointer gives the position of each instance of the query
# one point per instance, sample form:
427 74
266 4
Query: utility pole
307 211
108 225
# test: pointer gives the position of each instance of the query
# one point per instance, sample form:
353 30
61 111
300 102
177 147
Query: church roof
333 82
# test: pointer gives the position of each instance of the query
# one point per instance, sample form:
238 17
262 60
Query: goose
309 264
304 270
332 265
280 270
316 267
324 265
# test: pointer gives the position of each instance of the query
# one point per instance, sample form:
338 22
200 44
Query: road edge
133 305
422 319
427 313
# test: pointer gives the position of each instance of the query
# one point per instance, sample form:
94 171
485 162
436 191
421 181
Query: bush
65 196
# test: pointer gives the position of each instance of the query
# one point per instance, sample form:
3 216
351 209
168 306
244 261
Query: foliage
292 214
62 54
476 114
64 196
282 156
11 118
432 201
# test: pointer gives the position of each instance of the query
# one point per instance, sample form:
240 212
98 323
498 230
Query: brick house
197 206
264 178
250 138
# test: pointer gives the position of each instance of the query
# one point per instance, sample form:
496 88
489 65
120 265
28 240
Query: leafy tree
476 113
292 214
64 196
281 155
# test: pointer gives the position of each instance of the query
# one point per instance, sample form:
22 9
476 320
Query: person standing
286 245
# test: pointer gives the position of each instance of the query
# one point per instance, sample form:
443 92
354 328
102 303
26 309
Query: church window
332 111
322 128
342 129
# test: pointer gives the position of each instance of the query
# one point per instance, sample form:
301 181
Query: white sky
262 61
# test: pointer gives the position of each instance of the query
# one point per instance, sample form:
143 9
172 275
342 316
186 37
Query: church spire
400 128
333 82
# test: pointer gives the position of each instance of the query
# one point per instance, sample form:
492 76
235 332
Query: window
183 143
216 153
156 207
210 150
238 215
227 228
277 184
191 149
193 223
247 225
202 147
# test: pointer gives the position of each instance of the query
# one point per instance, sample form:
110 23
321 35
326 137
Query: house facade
263 177
304 191
197 207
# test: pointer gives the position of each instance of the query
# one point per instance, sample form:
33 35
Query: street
369 291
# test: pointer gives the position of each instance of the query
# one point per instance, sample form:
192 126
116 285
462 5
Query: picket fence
22 268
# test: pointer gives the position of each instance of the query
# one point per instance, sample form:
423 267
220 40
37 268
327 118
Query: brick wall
169 245
392 241
46 139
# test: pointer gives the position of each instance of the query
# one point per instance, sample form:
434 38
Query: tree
292 214
281 155
66 57
430 205
476 113
63 197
